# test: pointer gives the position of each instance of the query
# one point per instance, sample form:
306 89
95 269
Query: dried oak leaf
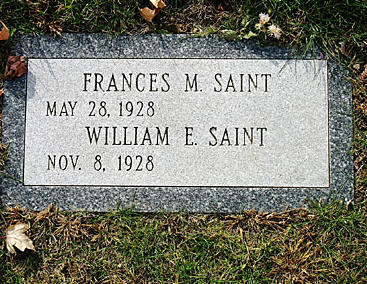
4 33
148 14
16 67
158 4
15 236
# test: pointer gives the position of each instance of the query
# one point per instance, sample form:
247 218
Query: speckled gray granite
148 199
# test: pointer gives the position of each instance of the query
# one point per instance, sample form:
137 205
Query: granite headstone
175 123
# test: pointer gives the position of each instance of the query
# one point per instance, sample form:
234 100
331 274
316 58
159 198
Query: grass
324 244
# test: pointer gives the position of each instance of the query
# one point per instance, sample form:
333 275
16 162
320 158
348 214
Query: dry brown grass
328 244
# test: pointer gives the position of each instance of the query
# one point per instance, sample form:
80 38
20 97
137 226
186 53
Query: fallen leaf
15 237
15 67
148 14
4 34
158 4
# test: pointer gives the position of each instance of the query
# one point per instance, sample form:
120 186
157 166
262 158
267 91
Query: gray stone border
205 200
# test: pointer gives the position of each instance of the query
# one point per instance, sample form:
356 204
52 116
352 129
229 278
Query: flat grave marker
175 123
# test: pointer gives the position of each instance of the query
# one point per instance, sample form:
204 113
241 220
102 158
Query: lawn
325 243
